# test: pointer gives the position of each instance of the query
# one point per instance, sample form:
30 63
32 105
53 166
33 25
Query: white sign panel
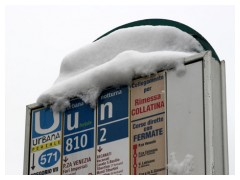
148 121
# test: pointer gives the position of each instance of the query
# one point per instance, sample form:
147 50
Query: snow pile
183 168
116 59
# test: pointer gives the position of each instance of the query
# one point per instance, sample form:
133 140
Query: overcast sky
38 37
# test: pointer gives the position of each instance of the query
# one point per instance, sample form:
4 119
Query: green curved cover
165 22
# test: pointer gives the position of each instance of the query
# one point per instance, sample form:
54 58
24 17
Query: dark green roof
165 22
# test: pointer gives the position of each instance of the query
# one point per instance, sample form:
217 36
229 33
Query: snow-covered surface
186 167
116 59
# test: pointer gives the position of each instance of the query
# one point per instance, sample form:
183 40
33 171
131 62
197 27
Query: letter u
69 124
39 130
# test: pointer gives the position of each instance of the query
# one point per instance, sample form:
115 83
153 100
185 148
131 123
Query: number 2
103 137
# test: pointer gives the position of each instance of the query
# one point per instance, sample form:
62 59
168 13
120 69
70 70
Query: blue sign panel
49 158
78 127
112 132
45 122
78 142
113 115
113 105
79 116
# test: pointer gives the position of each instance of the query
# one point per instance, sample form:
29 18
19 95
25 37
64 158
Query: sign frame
26 161
215 117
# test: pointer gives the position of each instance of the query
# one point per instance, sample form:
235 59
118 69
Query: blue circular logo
48 158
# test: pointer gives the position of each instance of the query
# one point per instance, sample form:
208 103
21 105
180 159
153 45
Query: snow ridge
116 59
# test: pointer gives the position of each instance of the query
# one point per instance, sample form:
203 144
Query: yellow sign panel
46 145
148 127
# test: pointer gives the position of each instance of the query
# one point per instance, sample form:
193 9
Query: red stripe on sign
135 159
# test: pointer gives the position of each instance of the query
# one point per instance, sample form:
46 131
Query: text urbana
46 138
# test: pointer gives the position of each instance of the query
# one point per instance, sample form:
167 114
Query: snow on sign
78 140
64 143
45 153
112 130
128 132
148 125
